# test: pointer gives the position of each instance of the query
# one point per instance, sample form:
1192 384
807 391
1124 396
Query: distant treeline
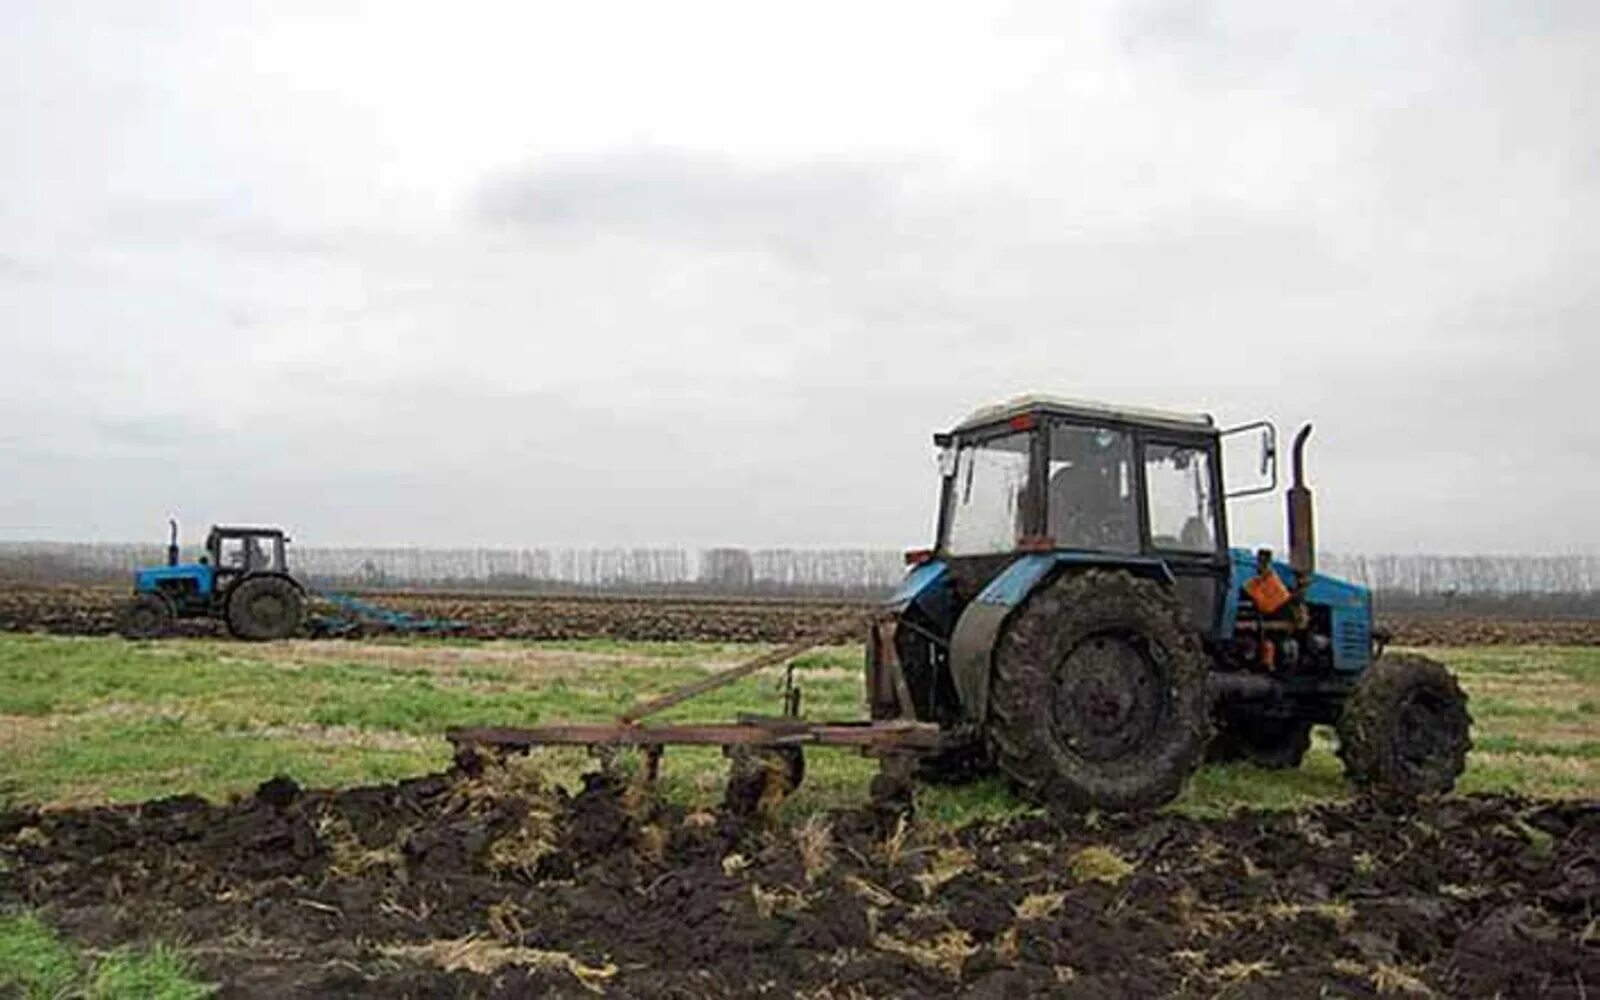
822 572
1422 580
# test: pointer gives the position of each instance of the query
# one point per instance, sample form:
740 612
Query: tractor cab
236 551
1088 483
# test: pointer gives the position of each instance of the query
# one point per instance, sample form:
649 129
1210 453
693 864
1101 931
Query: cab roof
1084 409
230 530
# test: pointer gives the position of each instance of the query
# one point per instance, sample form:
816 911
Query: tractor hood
149 580
1349 607
1325 590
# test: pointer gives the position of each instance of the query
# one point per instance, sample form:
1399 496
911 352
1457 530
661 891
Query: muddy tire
1405 731
265 607
1275 744
1099 695
147 616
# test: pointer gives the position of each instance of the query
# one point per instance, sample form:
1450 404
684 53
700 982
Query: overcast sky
704 273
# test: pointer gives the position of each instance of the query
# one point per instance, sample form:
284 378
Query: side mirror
1250 459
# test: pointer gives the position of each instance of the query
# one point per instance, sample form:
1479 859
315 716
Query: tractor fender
922 583
973 641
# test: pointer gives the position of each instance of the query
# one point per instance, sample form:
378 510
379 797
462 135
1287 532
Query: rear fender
926 587
925 599
972 643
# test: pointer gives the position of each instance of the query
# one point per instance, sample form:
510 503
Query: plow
1082 627
767 751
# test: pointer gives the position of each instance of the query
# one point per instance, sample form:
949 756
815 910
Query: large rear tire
265 607
147 616
1405 731
1099 695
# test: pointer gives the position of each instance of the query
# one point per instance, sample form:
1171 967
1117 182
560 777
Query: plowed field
93 611
450 886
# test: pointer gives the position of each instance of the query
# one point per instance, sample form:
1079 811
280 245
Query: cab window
986 496
1178 488
1089 496
231 554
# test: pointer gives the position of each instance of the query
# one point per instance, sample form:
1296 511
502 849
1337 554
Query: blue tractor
1083 626
243 580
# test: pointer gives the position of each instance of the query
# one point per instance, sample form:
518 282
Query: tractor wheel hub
1107 697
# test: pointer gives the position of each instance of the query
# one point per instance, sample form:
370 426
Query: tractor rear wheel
1098 698
147 616
1275 744
1405 731
265 607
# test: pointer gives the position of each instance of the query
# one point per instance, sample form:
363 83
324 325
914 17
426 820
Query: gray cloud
386 309
804 212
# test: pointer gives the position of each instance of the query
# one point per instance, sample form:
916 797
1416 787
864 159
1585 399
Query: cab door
1181 521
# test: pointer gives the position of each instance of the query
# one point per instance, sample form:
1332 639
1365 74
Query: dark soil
92 610
449 886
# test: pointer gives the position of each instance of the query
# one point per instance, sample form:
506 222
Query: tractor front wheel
1405 730
147 616
265 607
1098 699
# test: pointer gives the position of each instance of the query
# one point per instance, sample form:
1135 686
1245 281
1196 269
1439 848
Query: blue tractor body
197 579
927 594
1081 599
1347 605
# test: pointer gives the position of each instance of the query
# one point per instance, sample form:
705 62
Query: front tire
265 607
147 616
1099 697
1405 731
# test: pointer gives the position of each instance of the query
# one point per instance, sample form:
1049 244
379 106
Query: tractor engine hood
1349 607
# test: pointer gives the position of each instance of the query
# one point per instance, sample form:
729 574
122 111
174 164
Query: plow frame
887 735
872 738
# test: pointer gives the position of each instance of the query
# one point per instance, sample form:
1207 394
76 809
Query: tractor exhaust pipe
1302 535
172 542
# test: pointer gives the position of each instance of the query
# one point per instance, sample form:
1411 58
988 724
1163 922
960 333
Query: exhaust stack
1302 535
172 543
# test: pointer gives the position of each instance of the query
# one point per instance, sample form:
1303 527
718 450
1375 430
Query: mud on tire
1099 694
1405 730
265 607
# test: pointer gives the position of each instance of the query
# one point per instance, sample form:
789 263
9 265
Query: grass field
36 964
101 720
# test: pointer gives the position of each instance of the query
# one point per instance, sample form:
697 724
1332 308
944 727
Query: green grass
37 965
91 720
33 961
